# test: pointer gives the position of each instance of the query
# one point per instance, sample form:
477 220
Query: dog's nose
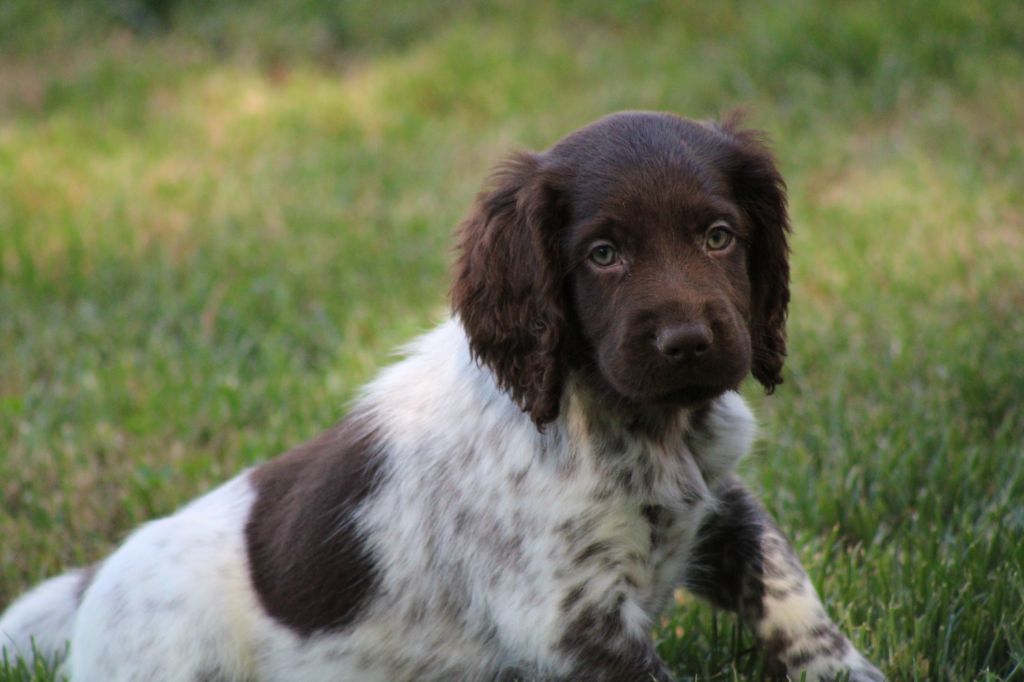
686 341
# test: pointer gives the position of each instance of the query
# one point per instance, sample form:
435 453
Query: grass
216 223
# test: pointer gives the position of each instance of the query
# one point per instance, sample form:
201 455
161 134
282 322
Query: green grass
215 226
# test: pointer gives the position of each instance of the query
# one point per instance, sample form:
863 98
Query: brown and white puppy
519 496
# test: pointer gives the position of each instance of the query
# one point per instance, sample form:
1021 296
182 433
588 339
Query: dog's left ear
761 192
507 287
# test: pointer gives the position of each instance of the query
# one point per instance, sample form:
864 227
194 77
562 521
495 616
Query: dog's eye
604 255
719 238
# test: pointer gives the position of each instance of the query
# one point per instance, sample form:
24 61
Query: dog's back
40 622
170 604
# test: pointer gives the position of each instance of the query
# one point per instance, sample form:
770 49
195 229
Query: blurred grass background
217 220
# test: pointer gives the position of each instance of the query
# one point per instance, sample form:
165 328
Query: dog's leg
743 562
608 640
611 661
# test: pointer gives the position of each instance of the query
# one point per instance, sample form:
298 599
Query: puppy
518 497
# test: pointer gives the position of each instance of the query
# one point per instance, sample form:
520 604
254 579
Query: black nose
686 341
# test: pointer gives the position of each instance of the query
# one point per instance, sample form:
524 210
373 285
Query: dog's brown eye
604 255
718 238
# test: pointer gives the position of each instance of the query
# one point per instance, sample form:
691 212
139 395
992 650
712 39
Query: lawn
217 222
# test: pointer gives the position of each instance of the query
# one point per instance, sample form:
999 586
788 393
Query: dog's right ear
507 288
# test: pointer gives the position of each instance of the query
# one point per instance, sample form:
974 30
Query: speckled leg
639 663
744 563
603 650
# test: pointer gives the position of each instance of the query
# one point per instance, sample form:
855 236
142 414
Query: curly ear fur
507 285
761 192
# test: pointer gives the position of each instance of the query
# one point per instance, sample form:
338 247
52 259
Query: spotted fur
519 496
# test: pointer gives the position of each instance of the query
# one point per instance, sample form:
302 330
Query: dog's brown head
645 251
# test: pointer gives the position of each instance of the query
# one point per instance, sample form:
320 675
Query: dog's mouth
634 382
657 394
688 396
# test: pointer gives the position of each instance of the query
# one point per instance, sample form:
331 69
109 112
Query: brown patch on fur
596 642
774 646
308 561
728 559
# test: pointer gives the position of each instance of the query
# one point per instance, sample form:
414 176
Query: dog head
646 252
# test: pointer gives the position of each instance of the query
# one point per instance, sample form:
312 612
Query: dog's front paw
859 669
851 666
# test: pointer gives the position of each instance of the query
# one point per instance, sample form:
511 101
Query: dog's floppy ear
761 192
507 288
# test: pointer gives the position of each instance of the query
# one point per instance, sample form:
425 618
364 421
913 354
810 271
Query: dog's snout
685 341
